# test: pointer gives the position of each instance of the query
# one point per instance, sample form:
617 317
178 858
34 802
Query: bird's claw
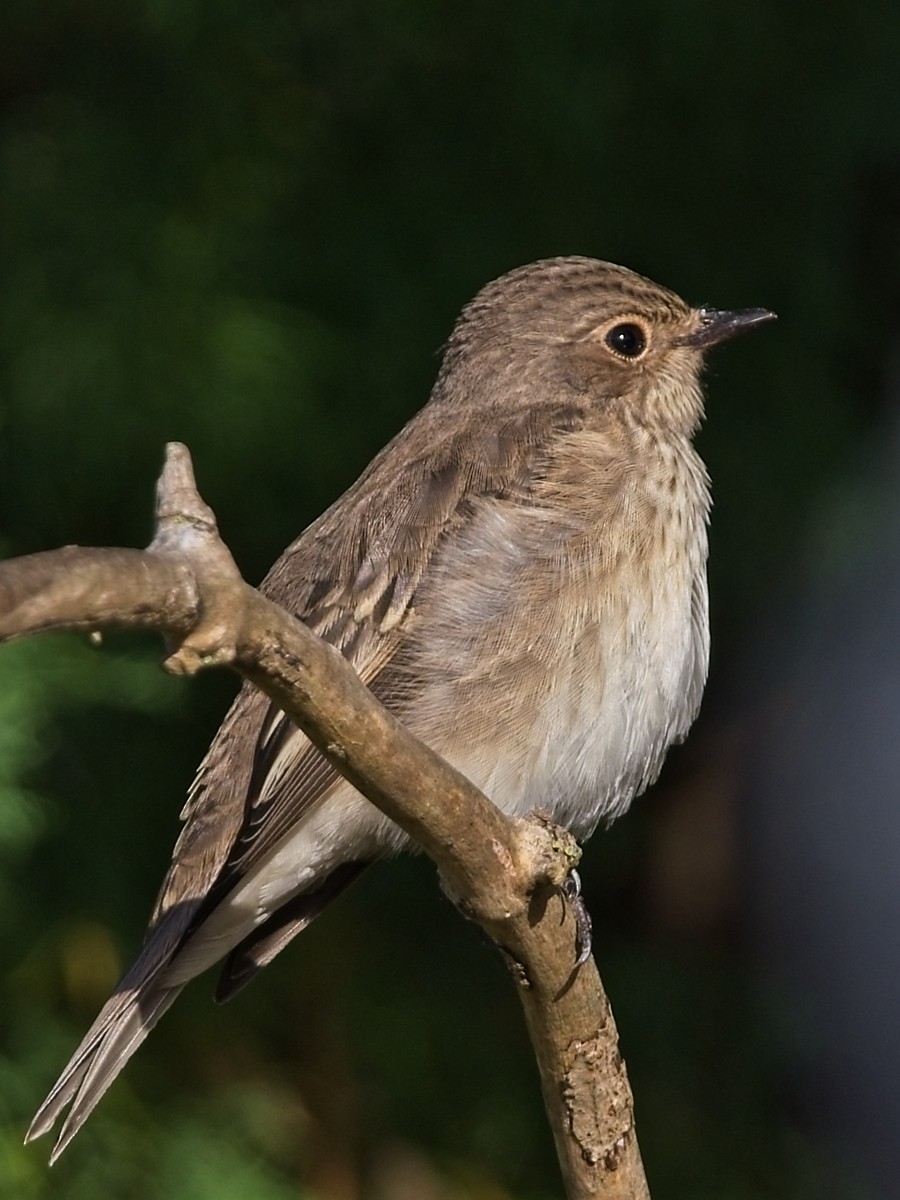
571 889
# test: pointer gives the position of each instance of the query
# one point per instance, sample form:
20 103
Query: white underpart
574 717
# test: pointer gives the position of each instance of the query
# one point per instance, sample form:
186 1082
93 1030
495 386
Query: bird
519 576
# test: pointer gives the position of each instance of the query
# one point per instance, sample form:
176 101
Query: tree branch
505 873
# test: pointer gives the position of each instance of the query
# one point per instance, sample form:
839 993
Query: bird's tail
141 998
124 1022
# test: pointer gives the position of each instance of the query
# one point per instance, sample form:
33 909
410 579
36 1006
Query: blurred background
249 226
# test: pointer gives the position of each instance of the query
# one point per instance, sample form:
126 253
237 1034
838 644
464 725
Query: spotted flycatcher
520 575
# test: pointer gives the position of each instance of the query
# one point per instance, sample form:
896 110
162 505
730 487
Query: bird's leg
571 889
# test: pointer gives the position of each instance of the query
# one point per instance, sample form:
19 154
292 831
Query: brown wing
352 577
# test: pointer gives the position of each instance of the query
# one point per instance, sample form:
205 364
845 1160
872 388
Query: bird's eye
627 340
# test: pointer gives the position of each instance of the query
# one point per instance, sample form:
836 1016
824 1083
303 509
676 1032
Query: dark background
249 226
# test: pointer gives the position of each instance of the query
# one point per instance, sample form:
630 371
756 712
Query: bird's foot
571 889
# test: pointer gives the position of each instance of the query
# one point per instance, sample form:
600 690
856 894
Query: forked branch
507 874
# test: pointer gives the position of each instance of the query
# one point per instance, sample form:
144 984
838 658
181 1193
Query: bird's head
589 328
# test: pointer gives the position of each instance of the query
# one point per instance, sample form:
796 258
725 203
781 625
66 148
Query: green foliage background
249 226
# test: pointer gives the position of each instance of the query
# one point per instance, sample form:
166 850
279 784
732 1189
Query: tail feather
118 1031
169 959
122 1024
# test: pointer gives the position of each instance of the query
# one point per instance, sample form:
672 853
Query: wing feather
352 577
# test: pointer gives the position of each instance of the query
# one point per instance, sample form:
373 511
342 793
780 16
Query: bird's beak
716 326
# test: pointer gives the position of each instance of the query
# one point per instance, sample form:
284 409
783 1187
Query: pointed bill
718 326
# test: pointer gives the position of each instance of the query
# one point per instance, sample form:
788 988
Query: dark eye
626 340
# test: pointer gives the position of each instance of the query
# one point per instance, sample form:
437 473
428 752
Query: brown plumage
520 575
